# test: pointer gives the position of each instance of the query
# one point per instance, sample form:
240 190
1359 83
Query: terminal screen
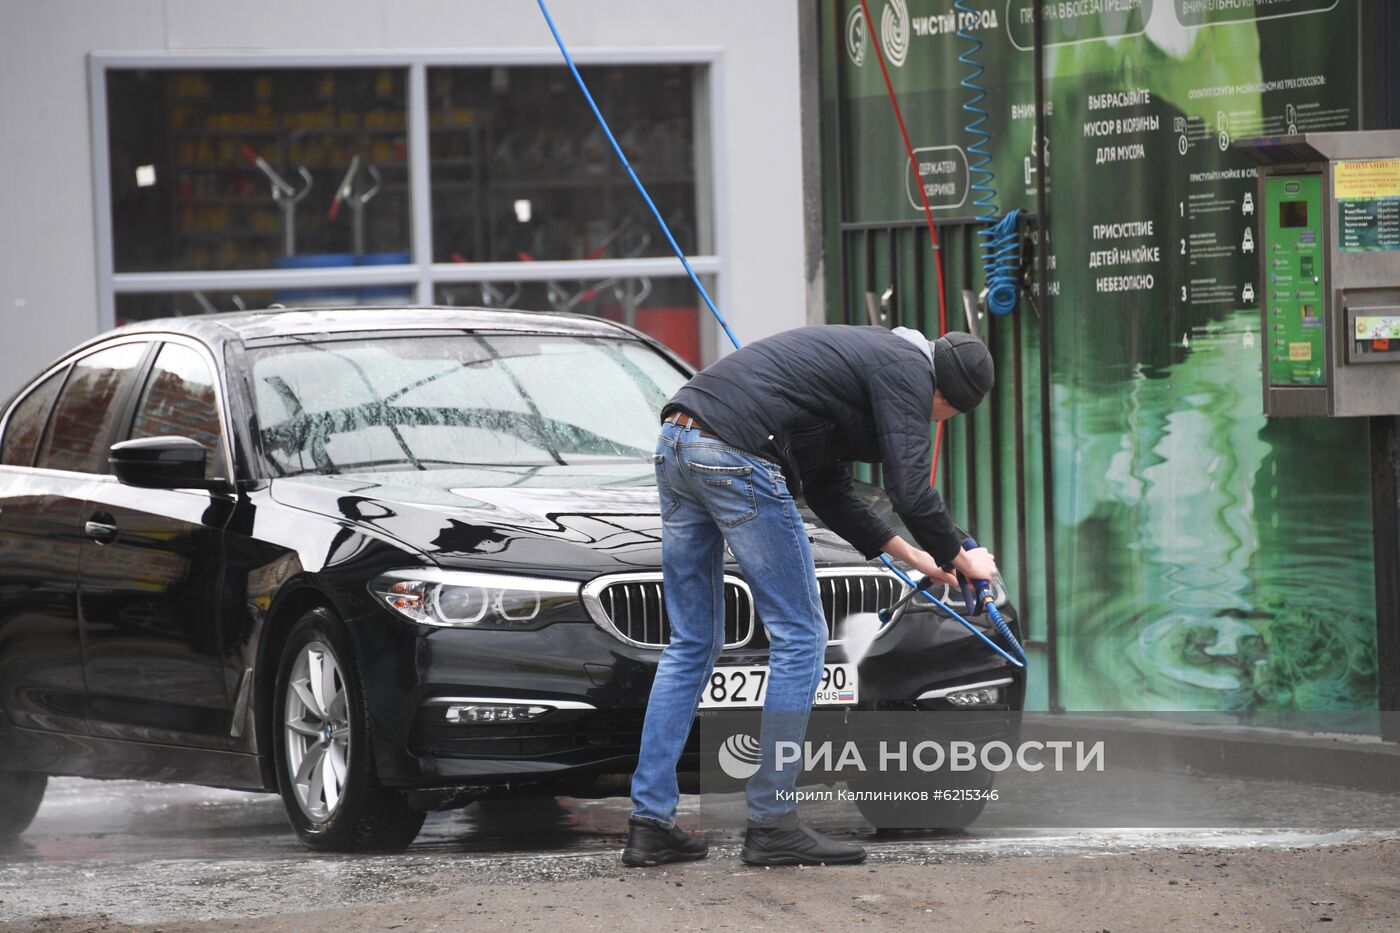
1293 213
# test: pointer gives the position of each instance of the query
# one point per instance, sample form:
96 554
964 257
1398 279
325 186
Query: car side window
179 398
85 408
27 420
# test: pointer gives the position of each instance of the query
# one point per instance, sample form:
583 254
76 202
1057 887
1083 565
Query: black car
381 561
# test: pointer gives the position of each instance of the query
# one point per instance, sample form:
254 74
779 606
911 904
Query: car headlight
466 599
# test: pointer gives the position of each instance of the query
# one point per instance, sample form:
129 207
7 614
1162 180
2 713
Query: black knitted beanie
962 369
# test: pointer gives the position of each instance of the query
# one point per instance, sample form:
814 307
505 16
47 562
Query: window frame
127 419
18 400
120 401
119 428
420 273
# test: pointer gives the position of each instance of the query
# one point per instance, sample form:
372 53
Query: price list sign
1368 205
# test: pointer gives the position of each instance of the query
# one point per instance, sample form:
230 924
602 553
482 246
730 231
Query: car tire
22 792
917 815
321 746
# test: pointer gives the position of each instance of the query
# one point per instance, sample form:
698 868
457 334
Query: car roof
268 325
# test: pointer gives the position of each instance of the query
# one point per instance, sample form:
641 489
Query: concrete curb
1253 753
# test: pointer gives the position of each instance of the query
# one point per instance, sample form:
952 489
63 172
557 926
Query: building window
297 184
517 176
668 309
258 169
139 307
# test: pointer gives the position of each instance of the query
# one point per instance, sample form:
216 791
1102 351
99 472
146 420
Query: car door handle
101 532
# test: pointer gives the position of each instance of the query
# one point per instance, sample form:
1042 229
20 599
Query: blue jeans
713 494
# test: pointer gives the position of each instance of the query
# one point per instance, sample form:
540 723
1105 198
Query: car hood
576 520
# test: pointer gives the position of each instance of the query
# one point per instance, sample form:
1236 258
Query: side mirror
164 462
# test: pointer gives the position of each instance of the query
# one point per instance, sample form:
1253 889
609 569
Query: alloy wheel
317 726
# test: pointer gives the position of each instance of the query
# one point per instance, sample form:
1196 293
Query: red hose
928 212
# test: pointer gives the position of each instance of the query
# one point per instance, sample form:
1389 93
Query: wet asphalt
154 853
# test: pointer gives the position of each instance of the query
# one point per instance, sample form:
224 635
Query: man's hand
976 564
920 560
923 562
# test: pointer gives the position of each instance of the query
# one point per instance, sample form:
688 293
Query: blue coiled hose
1001 262
989 602
1001 241
986 201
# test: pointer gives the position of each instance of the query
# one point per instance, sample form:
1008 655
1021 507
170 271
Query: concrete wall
48 271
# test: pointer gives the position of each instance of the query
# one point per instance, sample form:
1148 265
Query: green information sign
1294 266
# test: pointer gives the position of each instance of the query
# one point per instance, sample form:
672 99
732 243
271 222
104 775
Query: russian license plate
745 687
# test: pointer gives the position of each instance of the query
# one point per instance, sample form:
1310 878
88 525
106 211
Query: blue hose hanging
1001 241
641 188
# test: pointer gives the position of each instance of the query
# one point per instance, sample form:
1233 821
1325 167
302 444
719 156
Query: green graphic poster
1206 557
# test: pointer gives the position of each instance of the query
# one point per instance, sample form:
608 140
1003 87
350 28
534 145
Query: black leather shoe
788 842
650 843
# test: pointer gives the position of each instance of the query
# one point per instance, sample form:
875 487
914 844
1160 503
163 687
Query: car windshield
420 402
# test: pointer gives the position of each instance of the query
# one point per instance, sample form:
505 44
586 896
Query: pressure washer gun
978 596
969 594
976 593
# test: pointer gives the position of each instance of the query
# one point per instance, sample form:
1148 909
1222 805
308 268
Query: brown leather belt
686 421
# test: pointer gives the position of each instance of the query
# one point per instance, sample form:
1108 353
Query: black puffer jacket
814 399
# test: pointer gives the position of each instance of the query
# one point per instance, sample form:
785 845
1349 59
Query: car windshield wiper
310 429
369 465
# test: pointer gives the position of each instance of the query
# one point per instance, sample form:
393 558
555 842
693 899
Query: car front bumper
596 689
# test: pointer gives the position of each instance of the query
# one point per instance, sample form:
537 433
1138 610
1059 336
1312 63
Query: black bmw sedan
378 561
